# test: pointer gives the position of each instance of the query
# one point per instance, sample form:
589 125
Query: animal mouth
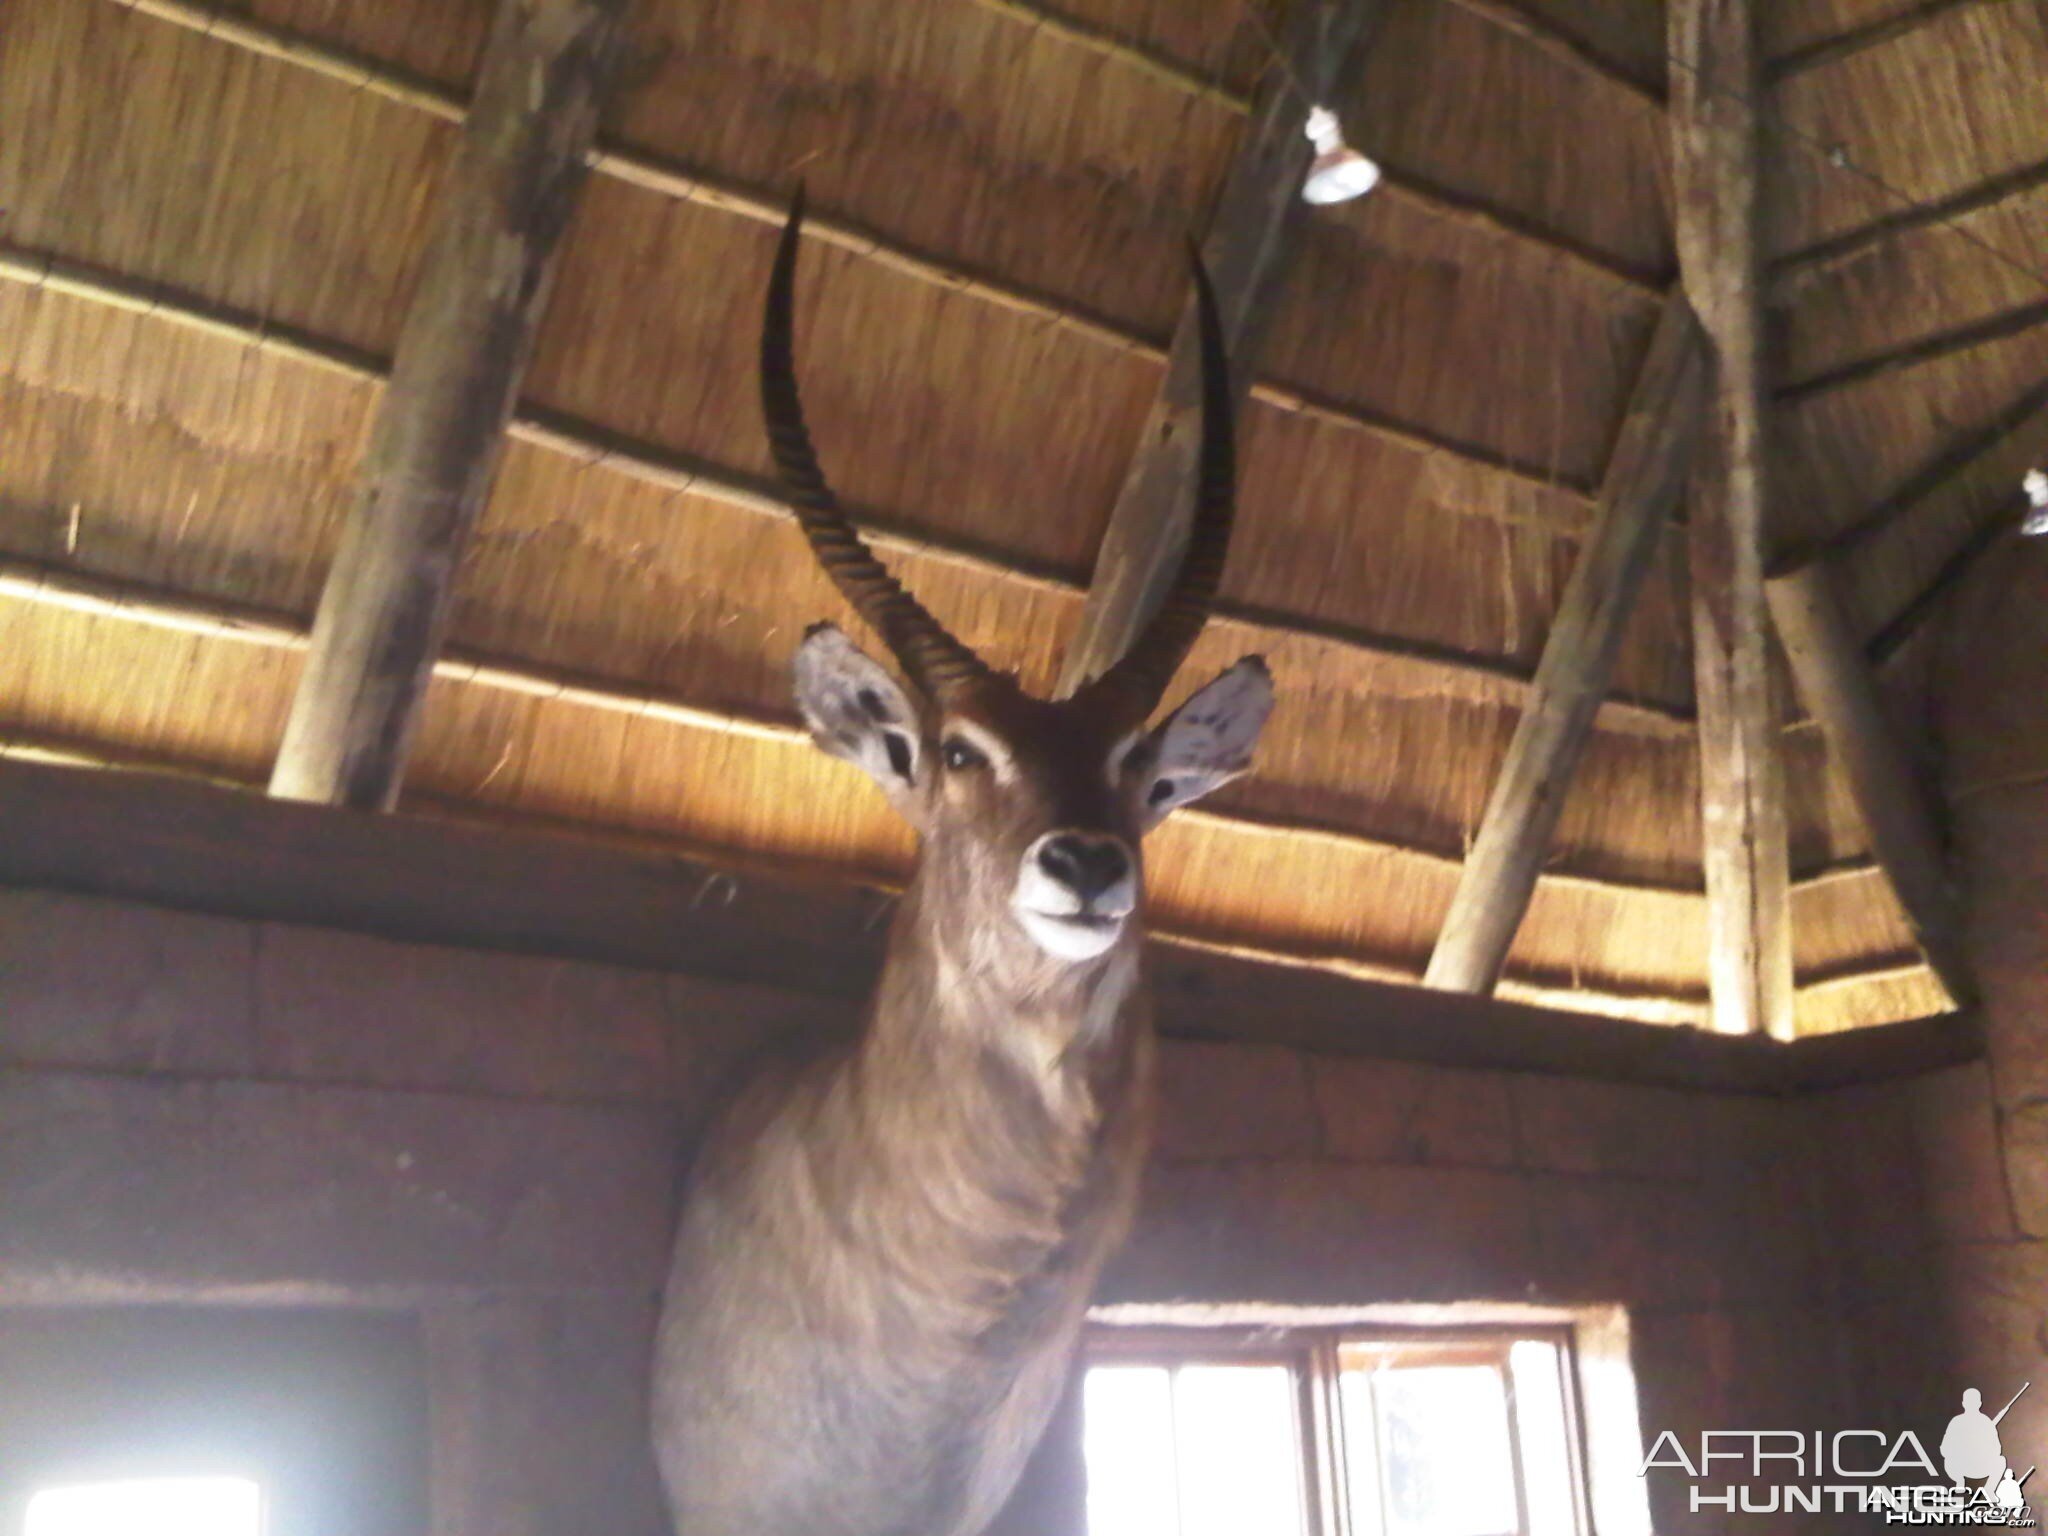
1072 935
1085 922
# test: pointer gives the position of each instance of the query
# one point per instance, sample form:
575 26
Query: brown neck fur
986 1079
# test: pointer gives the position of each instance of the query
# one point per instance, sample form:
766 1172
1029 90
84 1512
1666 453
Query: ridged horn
934 661
1140 677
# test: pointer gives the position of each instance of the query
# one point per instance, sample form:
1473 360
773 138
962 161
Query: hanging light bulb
2036 521
1339 172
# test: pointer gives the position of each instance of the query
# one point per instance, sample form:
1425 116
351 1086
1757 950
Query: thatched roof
210 219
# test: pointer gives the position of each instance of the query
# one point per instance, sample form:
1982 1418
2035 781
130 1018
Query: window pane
1537 1367
1444 1450
1240 1454
1361 1452
164 1506
1127 1440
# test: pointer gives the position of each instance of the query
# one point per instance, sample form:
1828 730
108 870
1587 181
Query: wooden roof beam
667 179
1984 469
1396 182
1640 1006
1840 688
1923 349
1248 248
1796 269
1992 531
518 884
1645 480
1886 29
1836 670
1717 155
1079 33
441 424
1549 38
1532 27
670 469
742 200
2018 435
131 602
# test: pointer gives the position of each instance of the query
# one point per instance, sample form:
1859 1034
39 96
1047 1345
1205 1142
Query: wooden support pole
1246 251
1718 163
441 426
1839 687
1645 478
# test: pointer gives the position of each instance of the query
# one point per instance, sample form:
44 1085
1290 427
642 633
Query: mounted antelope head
886 1256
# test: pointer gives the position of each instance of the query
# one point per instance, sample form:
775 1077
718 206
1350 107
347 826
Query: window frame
1314 1354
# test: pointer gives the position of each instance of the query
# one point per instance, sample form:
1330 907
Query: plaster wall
209 1110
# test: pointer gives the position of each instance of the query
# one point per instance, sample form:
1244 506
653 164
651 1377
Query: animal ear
1208 741
856 711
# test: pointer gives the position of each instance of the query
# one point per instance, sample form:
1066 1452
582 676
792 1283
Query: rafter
1451 206
2021 430
1796 269
1983 468
1547 37
1645 481
1085 35
1988 535
1886 29
1840 688
763 205
1922 349
241 624
130 602
1530 26
671 470
32 748
1837 671
1248 250
1881 971
440 428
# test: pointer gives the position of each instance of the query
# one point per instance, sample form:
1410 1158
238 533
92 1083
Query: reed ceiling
212 213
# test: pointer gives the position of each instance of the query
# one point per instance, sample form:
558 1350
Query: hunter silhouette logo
1858 1471
1970 1451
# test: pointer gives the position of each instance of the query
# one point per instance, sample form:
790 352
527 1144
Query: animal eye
960 754
1135 759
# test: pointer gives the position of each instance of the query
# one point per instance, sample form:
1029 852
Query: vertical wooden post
1718 164
1247 249
1645 478
461 354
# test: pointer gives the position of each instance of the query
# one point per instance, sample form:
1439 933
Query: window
153 1506
212 1421
1332 1432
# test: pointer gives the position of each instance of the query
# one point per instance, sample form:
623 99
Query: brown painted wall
1991 1277
1937 1188
211 1109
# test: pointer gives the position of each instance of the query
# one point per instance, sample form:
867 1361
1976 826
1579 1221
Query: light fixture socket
1339 172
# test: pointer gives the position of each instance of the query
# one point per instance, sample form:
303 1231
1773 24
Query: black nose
1087 866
